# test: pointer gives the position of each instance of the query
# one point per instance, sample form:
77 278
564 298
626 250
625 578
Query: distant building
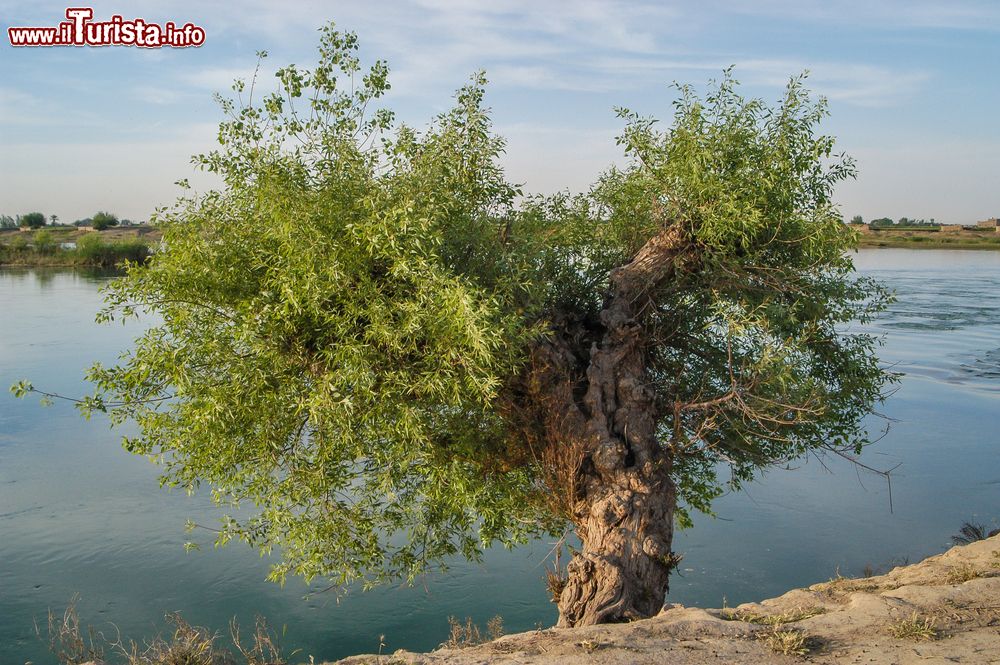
950 228
991 223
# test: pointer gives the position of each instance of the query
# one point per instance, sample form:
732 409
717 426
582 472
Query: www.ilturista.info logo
79 30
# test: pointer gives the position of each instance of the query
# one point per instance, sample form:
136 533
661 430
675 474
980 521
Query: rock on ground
945 609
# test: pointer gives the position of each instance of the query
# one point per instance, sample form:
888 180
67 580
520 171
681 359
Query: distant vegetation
44 247
93 250
32 220
911 233
104 220
930 238
902 222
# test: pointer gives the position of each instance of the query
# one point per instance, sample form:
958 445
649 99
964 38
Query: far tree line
36 220
882 222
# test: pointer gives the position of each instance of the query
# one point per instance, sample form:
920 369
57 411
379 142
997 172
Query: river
78 515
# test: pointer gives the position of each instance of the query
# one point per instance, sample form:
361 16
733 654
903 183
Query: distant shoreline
894 243
891 238
72 247
903 244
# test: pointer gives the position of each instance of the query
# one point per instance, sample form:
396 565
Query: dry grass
468 634
590 646
560 465
187 645
68 642
789 616
555 582
263 648
785 642
914 627
962 573
840 585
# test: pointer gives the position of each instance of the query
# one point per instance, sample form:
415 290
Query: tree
53 219
369 338
857 219
103 220
32 220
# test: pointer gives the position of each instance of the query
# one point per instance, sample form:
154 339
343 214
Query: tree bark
622 497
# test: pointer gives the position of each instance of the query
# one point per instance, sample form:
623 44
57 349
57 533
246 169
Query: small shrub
785 642
914 628
962 573
44 242
18 243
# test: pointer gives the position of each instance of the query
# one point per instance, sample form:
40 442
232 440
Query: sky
913 87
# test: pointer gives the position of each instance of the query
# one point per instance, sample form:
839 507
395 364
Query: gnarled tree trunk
599 403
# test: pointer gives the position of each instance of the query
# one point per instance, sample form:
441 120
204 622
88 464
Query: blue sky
914 88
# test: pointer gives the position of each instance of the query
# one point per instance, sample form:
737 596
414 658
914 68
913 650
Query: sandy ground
945 609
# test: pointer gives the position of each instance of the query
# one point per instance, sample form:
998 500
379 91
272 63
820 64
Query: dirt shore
945 609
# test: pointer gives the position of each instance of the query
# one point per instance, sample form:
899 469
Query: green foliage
18 243
44 242
341 321
94 250
103 220
32 220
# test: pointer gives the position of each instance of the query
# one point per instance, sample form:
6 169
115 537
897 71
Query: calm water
78 515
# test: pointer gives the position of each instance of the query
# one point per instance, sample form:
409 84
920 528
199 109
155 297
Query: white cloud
852 83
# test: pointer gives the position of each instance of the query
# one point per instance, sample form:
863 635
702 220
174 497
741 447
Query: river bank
73 248
943 609
930 239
